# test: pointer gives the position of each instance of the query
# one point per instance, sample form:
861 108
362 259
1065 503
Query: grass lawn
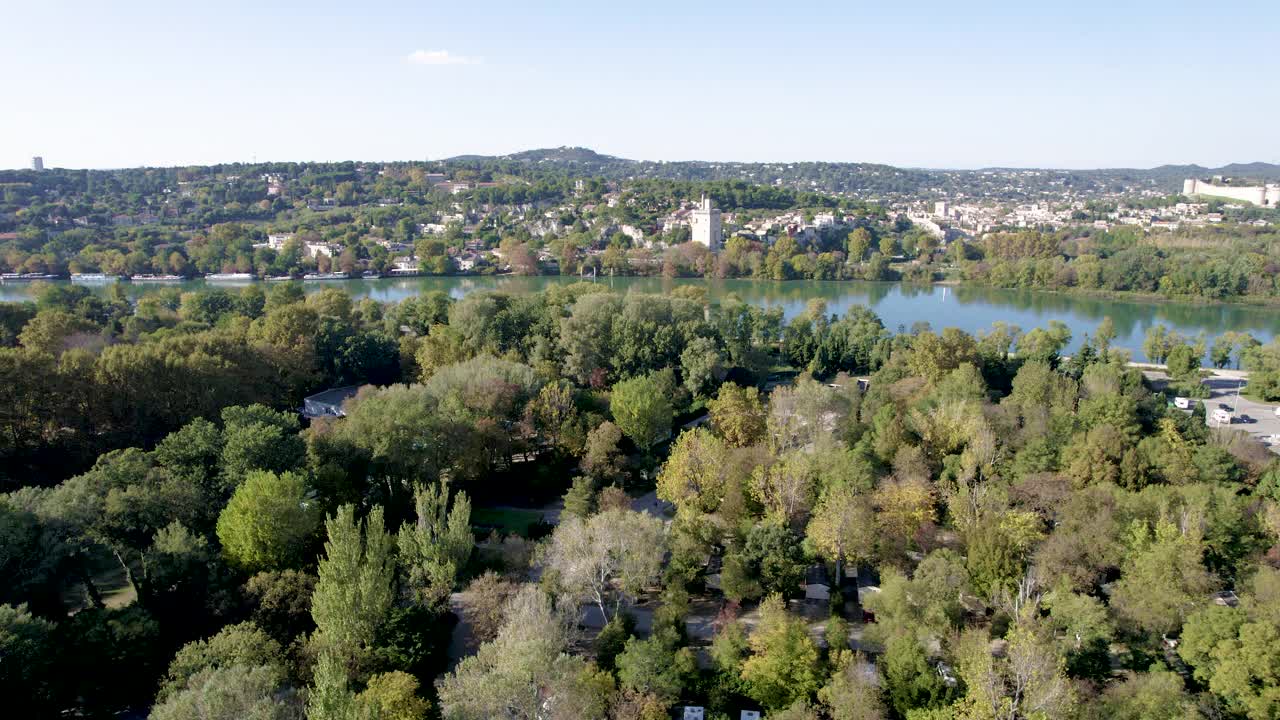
506 520
108 577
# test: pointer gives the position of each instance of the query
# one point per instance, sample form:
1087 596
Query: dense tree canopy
865 524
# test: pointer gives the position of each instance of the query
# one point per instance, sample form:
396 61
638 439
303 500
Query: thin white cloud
439 57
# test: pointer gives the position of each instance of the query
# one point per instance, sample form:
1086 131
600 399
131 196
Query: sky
1125 83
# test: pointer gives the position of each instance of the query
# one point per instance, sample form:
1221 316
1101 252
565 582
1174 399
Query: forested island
583 504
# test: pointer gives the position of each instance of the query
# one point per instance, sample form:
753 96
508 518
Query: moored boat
93 278
26 277
156 278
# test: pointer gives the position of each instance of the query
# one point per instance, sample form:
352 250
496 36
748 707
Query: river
899 305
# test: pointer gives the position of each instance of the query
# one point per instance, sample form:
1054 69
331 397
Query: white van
1182 403
1278 412
1221 417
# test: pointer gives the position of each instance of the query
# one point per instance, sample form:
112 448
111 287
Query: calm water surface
898 305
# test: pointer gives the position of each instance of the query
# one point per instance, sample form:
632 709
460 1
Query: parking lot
1257 419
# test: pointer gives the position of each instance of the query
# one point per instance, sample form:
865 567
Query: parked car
1221 416
1182 403
1246 419
1278 412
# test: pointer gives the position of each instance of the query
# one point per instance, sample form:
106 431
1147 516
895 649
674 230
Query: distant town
571 211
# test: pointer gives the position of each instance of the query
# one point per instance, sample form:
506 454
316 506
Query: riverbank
217 280
900 306
1245 300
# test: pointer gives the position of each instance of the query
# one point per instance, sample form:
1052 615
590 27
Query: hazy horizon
935 85
50 165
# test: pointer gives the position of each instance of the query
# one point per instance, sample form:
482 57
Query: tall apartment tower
705 222
37 163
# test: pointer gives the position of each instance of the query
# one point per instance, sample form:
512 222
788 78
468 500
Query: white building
276 241
318 249
940 209
37 163
705 223
275 183
1261 195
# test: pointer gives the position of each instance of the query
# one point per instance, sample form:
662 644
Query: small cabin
817 586
328 403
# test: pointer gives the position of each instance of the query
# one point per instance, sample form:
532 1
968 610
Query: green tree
435 548
243 645
1104 335
798 710
842 528
857 244
580 499
28 672
1157 343
602 461
54 331
280 603
354 592
770 556
269 522
784 665
231 693
695 475
1162 579
1154 695
910 681
655 666
393 696
1221 350
1237 653
1045 344
641 410
998 550
737 415
702 366
258 446
1183 364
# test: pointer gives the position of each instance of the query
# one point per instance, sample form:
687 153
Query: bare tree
607 557
1027 680
524 673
